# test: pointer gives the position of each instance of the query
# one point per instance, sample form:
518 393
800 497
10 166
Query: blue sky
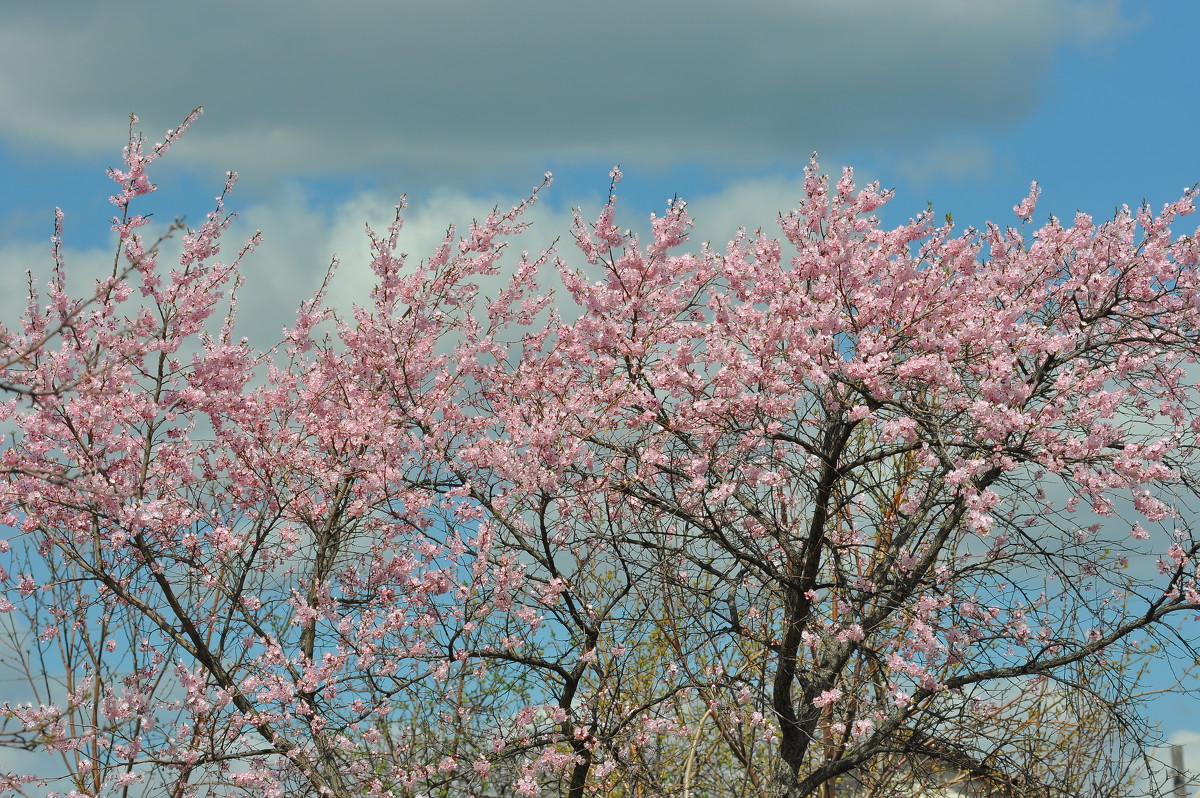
331 111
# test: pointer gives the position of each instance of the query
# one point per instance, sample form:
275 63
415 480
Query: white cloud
749 203
299 242
1164 762
956 159
301 235
303 231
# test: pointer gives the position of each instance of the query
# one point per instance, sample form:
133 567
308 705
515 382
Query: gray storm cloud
321 88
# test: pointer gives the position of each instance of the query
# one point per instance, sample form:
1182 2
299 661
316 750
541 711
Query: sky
331 112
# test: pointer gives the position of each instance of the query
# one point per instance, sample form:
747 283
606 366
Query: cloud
751 203
300 240
963 159
304 230
1189 742
302 233
452 87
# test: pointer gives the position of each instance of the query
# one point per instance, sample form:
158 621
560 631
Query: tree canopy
828 511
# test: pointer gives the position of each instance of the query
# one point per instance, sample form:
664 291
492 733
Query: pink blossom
472 535
827 697
852 633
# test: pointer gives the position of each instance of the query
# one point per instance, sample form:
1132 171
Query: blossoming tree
820 509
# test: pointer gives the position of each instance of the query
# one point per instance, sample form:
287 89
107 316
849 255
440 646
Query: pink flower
827 697
1024 211
854 633
862 728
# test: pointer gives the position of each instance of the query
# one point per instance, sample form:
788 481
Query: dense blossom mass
849 508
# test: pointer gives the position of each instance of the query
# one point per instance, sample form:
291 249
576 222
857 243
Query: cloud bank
307 87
